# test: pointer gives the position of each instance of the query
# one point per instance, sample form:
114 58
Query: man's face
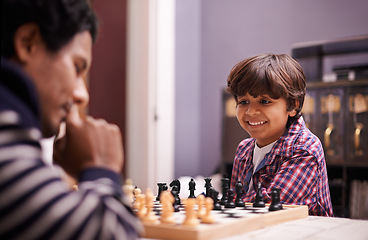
263 117
59 79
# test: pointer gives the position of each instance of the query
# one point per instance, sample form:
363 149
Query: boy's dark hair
277 75
59 21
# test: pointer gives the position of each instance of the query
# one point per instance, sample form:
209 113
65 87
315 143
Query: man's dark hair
59 21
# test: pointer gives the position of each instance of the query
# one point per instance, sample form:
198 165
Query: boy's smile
263 117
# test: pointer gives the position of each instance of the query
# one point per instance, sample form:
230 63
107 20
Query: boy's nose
251 110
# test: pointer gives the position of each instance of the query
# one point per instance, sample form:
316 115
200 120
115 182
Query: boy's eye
243 102
264 101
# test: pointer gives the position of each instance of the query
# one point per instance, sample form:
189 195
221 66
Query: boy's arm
303 180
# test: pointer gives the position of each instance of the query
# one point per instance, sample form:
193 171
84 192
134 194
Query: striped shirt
34 202
295 164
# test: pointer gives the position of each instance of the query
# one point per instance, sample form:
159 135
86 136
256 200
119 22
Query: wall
107 74
212 35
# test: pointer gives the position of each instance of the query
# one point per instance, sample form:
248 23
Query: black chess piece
214 195
177 202
239 193
259 201
161 188
230 199
276 203
192 185
208 186
176 182
225 187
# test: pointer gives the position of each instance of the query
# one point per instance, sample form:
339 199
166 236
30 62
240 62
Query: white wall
212 35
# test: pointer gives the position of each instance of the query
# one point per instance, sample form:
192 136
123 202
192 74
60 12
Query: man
46 54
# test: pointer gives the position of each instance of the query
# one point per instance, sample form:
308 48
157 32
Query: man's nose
80 94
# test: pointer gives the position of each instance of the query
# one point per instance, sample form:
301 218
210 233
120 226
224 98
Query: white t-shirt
258 155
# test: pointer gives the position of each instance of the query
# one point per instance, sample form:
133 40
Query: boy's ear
293 112
26 38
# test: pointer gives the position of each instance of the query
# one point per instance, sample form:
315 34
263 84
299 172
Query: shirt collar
285 145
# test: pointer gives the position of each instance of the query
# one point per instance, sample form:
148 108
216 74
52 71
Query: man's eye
77 69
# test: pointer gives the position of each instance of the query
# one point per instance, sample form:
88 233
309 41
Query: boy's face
263 117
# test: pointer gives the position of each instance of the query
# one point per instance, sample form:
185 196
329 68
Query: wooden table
316 228
312 227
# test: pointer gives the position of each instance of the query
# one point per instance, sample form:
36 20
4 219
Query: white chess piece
150 216
191 218
208 217
167 201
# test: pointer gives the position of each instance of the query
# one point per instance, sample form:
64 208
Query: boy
46 49
282 153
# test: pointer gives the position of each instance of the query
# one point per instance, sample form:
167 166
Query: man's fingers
73 116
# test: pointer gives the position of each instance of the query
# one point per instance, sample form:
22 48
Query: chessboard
167 216
227 222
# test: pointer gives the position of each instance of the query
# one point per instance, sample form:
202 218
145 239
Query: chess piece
276 203
167 201
192 185
230 199
239 192
160 190
258 201
200 203
176 183
208 186
214 195
225 186
191 218
150 215
136 204
128 189
177 202
208 217
141 206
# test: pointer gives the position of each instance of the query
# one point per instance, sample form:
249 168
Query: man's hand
89 142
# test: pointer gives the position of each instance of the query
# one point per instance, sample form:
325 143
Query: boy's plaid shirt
296 165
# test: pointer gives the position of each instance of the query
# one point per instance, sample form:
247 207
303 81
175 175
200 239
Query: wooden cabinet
337 113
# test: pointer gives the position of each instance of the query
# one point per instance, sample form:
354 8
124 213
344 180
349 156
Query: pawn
276 203
128 189
141 206
258 201
200 202
239 192
191 218
137 203
230 199
208 217
150 215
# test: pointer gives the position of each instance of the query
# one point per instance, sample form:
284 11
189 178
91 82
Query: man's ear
26 38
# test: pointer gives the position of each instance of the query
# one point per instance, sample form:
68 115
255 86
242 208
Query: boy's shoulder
247 142
307 141
300 138
244 148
